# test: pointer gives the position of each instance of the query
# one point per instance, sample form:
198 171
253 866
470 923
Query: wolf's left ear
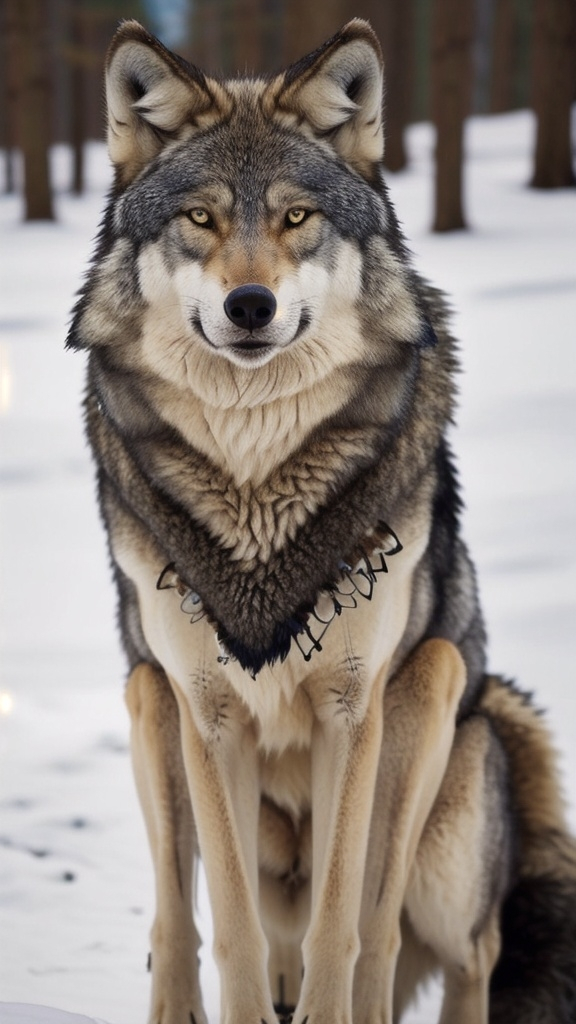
337 93
152 97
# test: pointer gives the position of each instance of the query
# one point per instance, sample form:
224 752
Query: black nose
251 306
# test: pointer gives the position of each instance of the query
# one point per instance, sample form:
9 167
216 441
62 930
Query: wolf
269 388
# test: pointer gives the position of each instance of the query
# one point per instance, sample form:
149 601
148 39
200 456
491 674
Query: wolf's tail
534 981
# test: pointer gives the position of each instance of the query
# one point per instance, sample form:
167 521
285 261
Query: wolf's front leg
163 791
420 709
345 750
221 763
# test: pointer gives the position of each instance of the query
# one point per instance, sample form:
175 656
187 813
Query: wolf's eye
201 217
296 216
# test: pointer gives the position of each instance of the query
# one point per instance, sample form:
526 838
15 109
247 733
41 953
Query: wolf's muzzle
251 306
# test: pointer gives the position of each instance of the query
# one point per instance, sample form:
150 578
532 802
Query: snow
76 888
27 1013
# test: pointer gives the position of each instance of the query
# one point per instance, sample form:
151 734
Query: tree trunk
504 46
77 94
308 24
246 31
9 95
33 110
451 73
393 23
554 77
272 35
207 35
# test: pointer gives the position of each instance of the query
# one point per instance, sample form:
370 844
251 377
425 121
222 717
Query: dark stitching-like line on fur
298 625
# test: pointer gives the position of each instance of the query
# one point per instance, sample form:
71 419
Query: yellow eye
296 216
200 217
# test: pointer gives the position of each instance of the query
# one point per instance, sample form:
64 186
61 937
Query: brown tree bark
394 24
246 32
207 35
272 33
8 96
554 80
451 87
308 24
27 21
77 93
504 42
227 36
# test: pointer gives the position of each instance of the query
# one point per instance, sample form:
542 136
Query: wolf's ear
337 93
152 96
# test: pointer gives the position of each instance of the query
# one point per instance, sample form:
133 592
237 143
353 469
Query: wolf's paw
284 1012
174 1015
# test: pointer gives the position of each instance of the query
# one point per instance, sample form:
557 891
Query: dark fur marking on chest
309 623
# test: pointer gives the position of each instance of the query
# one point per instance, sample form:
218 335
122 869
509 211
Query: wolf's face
249 221
245 221
253 230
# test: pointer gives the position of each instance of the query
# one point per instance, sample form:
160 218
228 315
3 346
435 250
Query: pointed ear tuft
152 96
336 92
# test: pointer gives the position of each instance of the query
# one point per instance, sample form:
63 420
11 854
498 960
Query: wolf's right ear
336 94
152 97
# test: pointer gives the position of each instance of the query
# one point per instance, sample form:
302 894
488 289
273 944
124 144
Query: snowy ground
76 892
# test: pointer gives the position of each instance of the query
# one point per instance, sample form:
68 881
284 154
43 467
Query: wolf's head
249 220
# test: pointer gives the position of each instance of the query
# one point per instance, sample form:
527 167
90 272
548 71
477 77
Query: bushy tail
534 981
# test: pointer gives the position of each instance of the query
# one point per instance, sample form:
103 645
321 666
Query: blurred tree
231 28
8 98
307 25
272 35
553 88
247 37
25 27
77 61
451 90
51 85
482 55
207 35
422 56
81 39
504 45
394 24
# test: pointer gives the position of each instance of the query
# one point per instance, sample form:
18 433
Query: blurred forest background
445 59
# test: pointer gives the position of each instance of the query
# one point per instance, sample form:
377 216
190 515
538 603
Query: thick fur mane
215 533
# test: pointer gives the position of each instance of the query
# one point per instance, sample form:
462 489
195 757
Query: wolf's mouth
246 345
249 345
